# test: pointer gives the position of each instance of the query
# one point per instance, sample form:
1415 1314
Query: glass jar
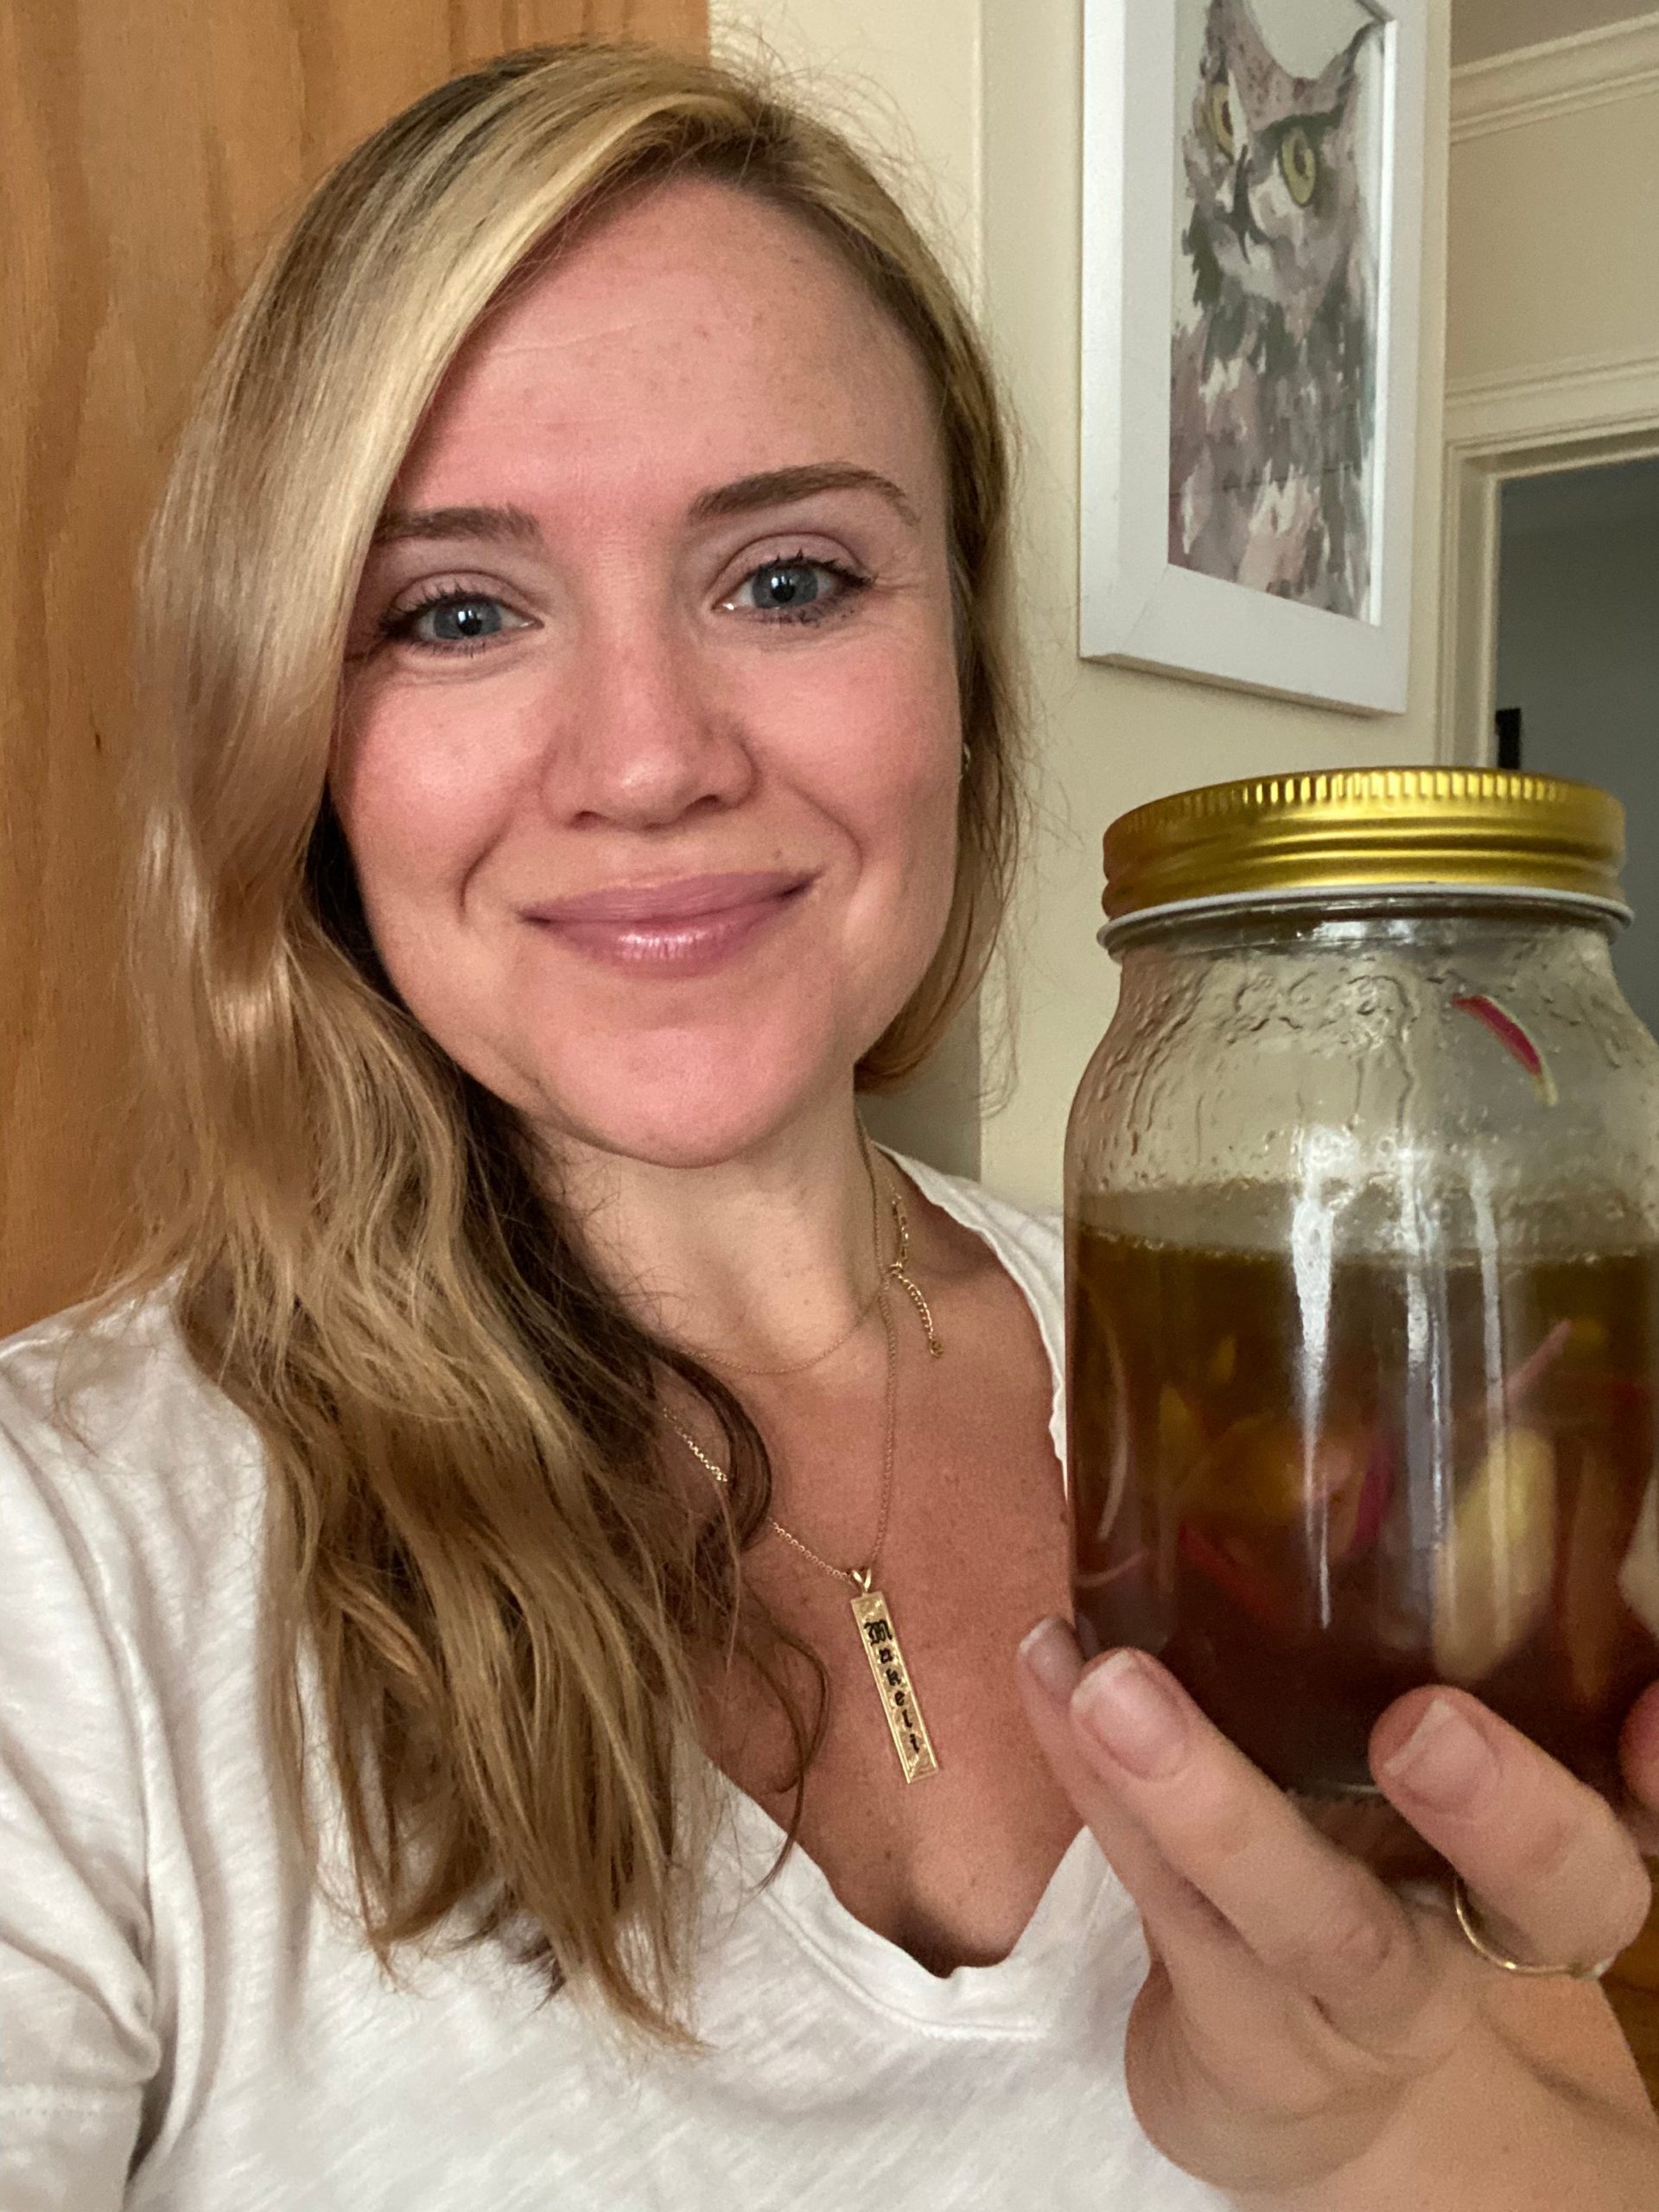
1363 1265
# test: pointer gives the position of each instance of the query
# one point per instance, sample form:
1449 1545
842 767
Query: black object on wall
1507 721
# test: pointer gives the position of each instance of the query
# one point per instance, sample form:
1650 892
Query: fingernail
1050 1653
1446 1760
1127 1709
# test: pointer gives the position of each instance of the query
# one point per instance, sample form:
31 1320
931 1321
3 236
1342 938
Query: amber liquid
1308 1496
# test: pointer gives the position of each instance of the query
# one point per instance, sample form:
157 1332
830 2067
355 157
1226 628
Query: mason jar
1362 1261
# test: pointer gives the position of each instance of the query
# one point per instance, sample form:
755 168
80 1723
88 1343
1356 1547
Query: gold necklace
800 1366
895 1271
872 1615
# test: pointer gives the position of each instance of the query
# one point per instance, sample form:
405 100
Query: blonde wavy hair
495 1599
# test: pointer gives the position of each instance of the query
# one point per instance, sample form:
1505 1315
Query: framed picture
1252 240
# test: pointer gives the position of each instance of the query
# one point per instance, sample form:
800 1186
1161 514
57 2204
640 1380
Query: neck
759 1260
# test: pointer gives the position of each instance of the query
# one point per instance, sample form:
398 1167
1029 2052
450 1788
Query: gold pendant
910 1737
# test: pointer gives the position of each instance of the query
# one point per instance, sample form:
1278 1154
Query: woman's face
649 752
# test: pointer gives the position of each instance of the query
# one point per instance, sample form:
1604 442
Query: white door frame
1577 415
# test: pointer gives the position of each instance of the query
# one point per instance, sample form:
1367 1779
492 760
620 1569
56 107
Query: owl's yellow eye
1300 165
1221 123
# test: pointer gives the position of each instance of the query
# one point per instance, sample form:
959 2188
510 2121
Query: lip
684 898
678 929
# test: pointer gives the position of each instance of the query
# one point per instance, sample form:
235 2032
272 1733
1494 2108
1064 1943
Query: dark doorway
1577 664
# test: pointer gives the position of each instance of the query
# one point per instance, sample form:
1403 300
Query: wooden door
151 148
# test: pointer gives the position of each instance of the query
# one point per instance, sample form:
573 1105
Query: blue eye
453 622
463 621
792 584
798 590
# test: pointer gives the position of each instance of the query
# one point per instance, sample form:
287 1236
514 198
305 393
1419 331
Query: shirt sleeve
78 2037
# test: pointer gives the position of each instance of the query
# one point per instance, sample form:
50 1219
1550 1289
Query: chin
690 1100
688 1074
696 1125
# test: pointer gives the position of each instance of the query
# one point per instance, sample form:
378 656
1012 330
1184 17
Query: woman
576 650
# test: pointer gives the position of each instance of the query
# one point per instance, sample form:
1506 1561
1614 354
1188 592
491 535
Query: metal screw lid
1366 828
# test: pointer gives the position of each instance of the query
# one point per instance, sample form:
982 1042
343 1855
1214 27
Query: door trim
1578 414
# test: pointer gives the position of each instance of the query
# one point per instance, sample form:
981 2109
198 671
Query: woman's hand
1297 2005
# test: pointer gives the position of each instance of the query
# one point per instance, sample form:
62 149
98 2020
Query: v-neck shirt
187 2023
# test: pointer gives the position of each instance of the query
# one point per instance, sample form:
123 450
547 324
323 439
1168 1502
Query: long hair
485 1602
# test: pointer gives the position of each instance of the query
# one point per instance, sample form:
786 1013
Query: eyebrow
399 524
771 487
777 487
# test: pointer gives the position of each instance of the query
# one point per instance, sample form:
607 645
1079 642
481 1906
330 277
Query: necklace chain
893 1272
861 1578
799 1366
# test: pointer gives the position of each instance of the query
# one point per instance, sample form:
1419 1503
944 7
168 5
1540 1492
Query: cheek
878 752
421 808
899 804
420 803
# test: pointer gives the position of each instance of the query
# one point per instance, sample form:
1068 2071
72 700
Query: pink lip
667 902
683 928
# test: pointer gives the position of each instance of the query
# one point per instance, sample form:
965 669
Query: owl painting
1274 365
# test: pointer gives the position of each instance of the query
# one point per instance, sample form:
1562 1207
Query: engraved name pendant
910 1737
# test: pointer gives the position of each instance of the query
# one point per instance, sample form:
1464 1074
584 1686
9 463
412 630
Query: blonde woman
449 1566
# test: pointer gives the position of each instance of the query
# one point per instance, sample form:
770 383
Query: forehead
692 336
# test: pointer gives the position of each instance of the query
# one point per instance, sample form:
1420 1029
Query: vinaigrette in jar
1363 1221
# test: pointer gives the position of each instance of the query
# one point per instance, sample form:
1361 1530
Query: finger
1639 1752
1238 2027
1313 1917
1051 1664
1558 1880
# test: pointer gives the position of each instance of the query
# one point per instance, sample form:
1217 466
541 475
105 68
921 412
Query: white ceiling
1483 27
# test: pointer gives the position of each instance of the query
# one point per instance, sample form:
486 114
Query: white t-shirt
186 2023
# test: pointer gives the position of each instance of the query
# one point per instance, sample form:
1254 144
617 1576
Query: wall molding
1586 395
1566 76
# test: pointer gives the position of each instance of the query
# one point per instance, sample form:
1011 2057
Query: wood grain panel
151 147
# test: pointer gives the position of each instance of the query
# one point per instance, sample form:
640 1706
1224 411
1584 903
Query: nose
643 736
1244 215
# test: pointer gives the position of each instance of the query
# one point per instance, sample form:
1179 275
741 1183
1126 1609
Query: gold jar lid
1479 829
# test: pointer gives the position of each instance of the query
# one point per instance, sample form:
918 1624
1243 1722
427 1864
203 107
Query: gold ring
1462 1906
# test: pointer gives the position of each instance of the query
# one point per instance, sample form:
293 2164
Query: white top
186 2023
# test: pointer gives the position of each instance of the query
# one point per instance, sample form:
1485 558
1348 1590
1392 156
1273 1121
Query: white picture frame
1136 605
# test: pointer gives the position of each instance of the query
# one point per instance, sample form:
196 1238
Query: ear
1233 27
1337 84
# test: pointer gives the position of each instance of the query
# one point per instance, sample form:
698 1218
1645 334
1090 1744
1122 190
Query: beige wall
1554 216
989 93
